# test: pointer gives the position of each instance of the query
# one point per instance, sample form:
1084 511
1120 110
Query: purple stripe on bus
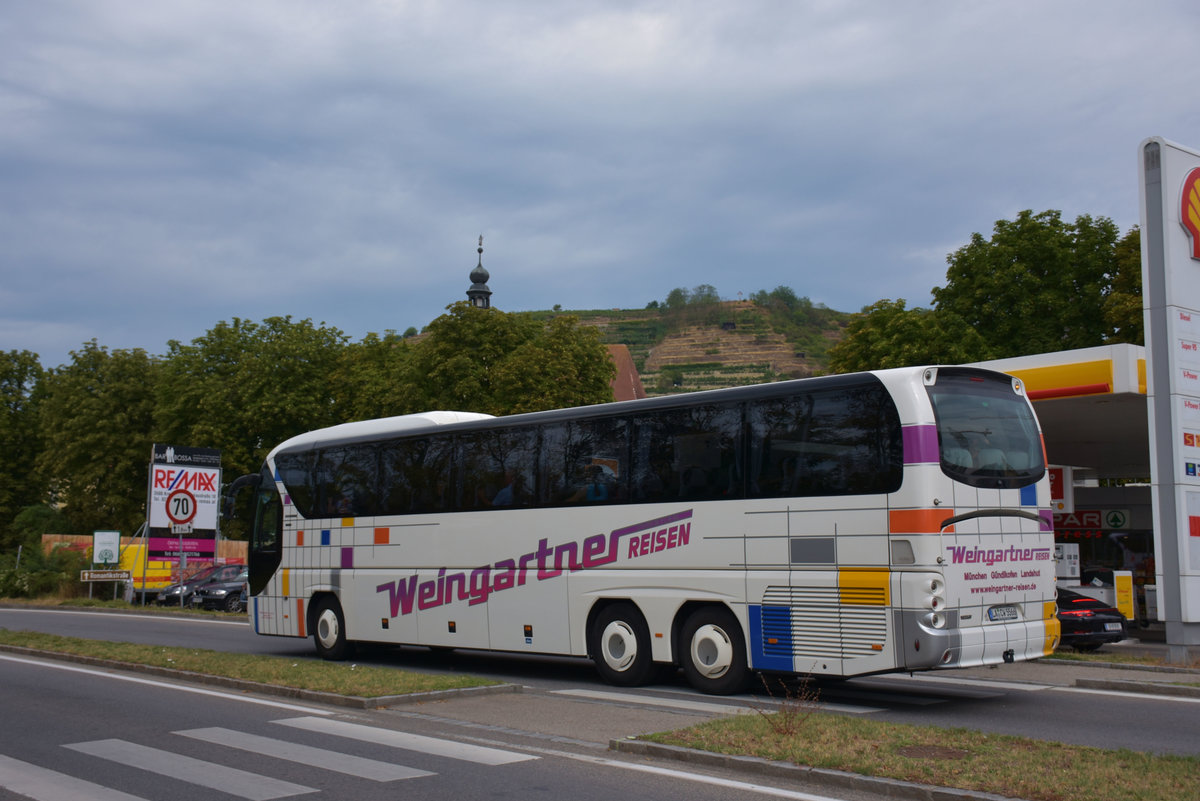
920 444
1047 516
348 557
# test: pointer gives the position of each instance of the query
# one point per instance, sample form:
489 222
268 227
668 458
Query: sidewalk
1116 675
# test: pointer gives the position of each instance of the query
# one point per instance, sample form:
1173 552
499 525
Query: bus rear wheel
714 651
620 645
329 631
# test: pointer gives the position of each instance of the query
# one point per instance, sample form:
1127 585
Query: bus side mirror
239 484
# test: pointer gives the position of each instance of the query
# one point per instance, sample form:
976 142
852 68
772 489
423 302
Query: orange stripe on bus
918 521
299 539
300 616
381 536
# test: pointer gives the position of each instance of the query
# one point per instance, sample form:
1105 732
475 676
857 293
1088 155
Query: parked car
229 596
183 593
1087 623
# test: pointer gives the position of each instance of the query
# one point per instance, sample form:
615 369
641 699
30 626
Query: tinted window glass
268 516
347 481
585 462
498 468
987 433
417 475
828 442
687 454
296 473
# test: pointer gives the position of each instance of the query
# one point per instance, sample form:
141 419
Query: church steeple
479 294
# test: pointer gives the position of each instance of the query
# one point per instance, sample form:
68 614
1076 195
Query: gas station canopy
1091 404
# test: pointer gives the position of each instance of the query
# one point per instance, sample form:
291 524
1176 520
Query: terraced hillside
739 346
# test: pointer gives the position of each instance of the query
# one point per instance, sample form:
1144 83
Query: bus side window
296 473
347 481
593 462
498 468
688 454
838 442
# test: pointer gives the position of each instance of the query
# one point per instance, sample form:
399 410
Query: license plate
1002 613
1112 626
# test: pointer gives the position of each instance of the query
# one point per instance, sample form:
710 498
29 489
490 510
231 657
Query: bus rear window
987 434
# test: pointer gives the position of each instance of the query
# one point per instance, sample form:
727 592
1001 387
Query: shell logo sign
1189 211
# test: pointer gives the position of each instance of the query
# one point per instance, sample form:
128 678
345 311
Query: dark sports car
1087 623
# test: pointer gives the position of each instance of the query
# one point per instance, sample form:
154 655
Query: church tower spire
479 294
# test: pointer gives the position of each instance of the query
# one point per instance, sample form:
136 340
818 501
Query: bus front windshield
987 434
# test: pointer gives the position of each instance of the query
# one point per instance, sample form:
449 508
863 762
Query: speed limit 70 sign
181 507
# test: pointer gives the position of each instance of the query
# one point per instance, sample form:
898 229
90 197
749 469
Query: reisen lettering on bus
545 562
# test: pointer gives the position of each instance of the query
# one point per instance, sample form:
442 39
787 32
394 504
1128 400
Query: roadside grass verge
119 606
342 678
1015 767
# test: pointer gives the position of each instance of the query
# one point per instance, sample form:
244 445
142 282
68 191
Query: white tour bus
841 525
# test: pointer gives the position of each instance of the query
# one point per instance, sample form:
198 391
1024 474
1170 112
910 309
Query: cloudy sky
168 165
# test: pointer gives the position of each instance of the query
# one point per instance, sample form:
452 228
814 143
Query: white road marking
193 771
372 769
105 673
409 742
41 784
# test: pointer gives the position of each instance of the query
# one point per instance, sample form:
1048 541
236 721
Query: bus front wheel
329 631
714 651
621 645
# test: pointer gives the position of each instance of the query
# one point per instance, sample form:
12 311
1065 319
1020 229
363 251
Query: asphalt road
1032 700
74 732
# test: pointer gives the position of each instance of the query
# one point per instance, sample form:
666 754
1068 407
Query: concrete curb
1145 688
333 699
814 777
1118 666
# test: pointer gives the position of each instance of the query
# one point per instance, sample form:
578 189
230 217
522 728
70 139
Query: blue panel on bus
771 637
324 536
1029 495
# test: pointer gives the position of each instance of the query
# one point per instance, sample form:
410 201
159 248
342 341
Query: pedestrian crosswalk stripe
193 771
42 784
410 742
372 769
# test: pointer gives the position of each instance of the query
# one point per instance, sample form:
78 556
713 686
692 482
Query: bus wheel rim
327 628
712 652
618 645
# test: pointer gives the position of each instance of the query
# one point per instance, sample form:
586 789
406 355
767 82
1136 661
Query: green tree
887 334
371 375
677 299
563 364
1039 284
96 416
486 360
244 387
1123 305
20 374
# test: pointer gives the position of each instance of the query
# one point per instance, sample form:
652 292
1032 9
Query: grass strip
957 758
342 678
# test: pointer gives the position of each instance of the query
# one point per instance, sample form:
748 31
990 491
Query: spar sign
183 502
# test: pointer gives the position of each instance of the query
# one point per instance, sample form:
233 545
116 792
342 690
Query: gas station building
1092 406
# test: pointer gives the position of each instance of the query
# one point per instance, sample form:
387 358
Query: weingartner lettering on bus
546 562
